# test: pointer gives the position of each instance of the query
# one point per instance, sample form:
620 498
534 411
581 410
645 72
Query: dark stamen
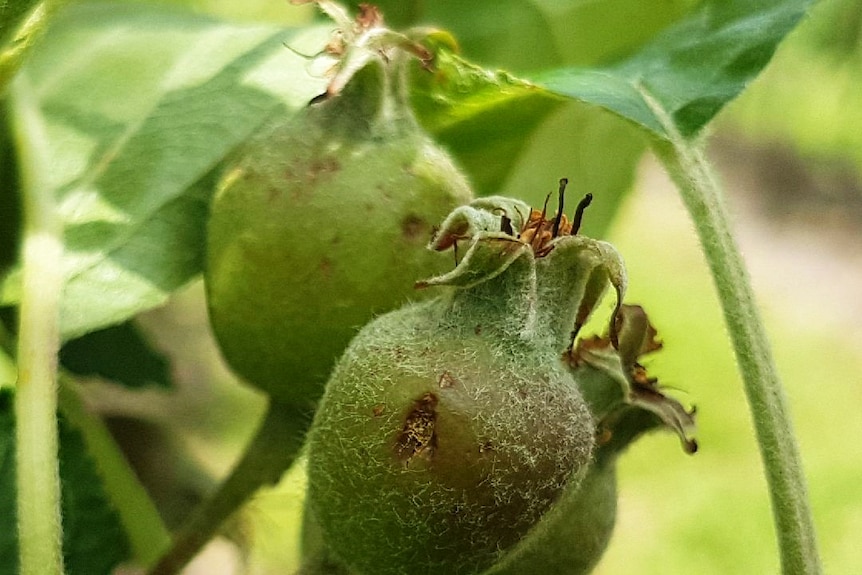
556 229
506 225
545 208
579 213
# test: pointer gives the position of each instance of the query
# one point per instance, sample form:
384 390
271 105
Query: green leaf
22 25
136 511
140 106
479 115
12 12
692 68
119 353
517 139
10 207
8 508
8 369
525 35
519 143
93 540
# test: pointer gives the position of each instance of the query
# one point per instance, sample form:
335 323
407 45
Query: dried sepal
489 255
639 404
482 216
584 268
357 41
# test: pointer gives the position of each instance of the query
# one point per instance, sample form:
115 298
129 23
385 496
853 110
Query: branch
702 196
268 455
40 532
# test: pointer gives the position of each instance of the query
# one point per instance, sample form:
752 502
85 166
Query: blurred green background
790 154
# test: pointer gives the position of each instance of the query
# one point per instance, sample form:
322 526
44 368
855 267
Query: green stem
268 455
141 521
29 31
40 533
702 196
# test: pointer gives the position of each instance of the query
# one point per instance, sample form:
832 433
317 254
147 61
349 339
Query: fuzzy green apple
321 224
450 427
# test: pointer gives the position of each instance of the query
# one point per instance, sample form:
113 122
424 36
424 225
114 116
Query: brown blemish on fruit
325 267
446 380
418 437
400 353
413 227
378 410
384 191
603 435
321 167
273 194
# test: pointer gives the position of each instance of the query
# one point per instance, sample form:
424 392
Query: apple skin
321 224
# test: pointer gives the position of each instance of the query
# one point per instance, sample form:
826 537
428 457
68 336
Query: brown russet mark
446 379
418 437
320 167
378 410
325 267
414 227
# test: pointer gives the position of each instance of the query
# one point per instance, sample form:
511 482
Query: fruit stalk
269 454
40 532
779 452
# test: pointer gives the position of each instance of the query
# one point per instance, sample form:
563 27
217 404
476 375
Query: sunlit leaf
526 35
520 143
515 138
140 106
692 68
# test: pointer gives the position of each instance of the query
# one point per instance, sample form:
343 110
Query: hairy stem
702 196
40 532
268 455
